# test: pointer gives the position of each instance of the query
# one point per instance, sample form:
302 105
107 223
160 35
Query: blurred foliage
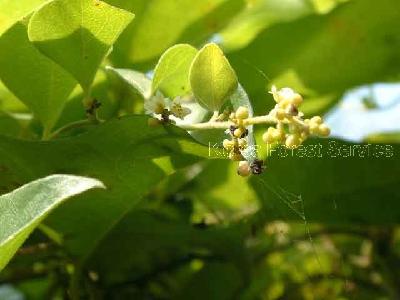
172 223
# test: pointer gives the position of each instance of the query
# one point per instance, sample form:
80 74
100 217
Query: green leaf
246 25
136 81
159 25
318 49
13 11
36 80
126 154
212 78
78 34
23 209
171 75
384 137
337 183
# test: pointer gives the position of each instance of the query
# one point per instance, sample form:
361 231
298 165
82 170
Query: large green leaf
259 15
212 78
23 209
354 44
332 182
78 34
171 74
12 11
160 236
159 24
127 155
36 80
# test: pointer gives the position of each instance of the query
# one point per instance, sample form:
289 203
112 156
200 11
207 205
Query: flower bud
316 120
242 112
293 141
324 130
238 132
244 168
268 136
297 99
227 144
313 127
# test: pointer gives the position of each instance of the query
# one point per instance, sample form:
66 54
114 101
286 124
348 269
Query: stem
70 126
214 116
227 124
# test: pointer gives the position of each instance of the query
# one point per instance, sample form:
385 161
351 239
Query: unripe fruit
244 168
242 112
293 141
324 130
227 144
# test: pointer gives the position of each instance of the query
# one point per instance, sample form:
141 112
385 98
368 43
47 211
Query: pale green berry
242 112
293 141
324 130
244 168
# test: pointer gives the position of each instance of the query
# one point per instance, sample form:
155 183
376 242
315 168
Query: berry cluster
238 133
291 129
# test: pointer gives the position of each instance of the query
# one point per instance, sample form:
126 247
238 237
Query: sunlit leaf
23 209
36 80
77 34
212 78
171 75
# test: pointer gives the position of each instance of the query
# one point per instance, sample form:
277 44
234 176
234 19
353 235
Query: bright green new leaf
23 209
212 78
12 11
171 75
135 80
37 81
78 34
